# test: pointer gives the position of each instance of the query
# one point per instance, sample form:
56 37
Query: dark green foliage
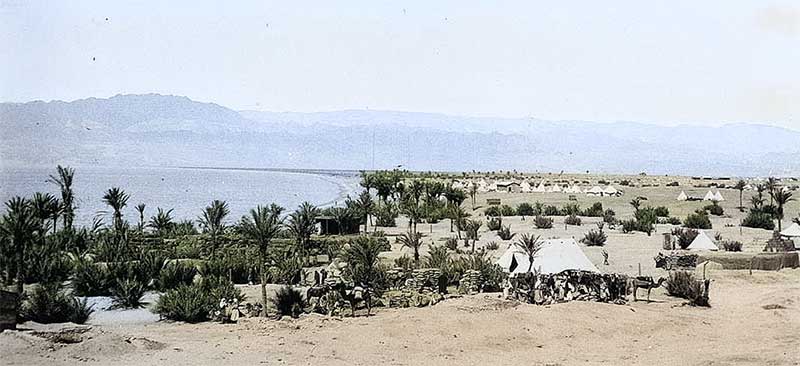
285 269
629 226
661 211
715 209
596 210
175 274
672 221
525 209
127 293
217 288
759 220
572 219
234 265
505 233
732 245
542 222
571 209
506 210
90 279
609 216
684 236
595 237
698 220
492 245
188 303
550 210
451 243
491 273
386 215
405 262
49 304
683 284
288 301
362 256
494 223
492 211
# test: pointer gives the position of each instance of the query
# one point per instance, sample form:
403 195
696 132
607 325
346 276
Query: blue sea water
185 190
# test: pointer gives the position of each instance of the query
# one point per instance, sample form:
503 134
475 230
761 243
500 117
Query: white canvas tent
709 196
682 196
793 231
555 188
595 191
610 191
525 187
556 255
702 242
718 197
540 188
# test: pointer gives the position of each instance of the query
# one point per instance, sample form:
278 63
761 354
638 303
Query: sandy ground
754 320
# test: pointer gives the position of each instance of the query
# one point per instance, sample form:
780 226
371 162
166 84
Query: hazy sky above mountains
698 62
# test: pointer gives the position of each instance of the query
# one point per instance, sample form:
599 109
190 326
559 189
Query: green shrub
542 222
683 284
595 237
758 220
684 237
662 211
492 245
90 279
174 274
715 209
525 209
48 304
288 301
595 211
609 216
572 220
451 243
386 215
550 210
571 209
732 245
150 265
217 288
629 226
505 233
405 262
698 220
127 293
491 273
507 210
673 221
188 303
494 223
492 211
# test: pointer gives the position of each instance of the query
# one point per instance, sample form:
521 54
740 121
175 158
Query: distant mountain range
152 129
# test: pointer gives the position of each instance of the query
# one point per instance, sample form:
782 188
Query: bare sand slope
754 321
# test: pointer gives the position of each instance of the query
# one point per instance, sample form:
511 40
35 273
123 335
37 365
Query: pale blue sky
703 62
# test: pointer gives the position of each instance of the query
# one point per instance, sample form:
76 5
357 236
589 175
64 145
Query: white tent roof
610 190
540 187
682 196
595 190
555 188
792 230
525 186
702 242
718 197
556 255
710 196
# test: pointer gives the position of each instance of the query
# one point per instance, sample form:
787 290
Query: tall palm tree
140 209
19 224
367 180
42 205
531 246
361 254
772 186
781 197
366 207
55 212
117 199
740 187
473 191
302 224
412 241
413 210
636 203
457 216
212 221
261 227
64 180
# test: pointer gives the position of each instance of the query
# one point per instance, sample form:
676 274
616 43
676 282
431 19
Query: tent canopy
718 197
702 242
682 196
709 196
556 255
792 231
610 190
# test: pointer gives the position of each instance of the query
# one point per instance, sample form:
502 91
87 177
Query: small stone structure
544 289
676 261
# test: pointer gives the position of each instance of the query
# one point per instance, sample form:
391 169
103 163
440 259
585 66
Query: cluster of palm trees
778 198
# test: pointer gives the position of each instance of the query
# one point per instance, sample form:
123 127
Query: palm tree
362 257
531 246
781 197
117 199
212 221
471 228
636 203
413 210
772 186
140 209
457 215
756 202
19 224
261 227
64 182
161 222
303 223
412 241
473 191
367 180
42 205
365 206
740 187
55 212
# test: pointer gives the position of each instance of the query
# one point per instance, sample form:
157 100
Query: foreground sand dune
753 320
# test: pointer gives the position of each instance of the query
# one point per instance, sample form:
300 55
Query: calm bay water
186 190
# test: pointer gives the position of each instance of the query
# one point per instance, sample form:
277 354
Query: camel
354 296
645 282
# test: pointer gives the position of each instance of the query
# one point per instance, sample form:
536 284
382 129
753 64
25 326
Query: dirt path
754 321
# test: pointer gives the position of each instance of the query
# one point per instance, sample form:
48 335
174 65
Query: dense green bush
494 223
49 304
492 211
188 303
525 209
732 245
758 220
505 233
127 293
571 209
684 237
698 220
288 301
596 210
542 222
609 216
451 243
683 284
551 210
90 279
507 210
669 220
492 245
491 273
595 237
715 209
661 211
386 215
174 274
572 219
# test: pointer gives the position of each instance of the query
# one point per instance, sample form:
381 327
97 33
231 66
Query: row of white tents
710 196
526 187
